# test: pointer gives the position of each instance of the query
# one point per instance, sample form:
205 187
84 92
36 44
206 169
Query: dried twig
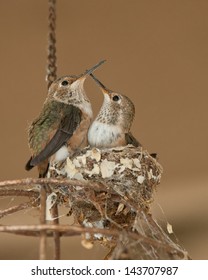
56 234
76 230
18 192
15 209
43 234
49 181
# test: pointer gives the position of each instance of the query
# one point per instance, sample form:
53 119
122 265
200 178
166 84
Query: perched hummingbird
111 128
63 122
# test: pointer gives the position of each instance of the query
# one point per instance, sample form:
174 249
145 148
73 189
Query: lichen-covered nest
127 177
114 191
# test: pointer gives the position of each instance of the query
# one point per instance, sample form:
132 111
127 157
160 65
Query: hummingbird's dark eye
64 83
116 98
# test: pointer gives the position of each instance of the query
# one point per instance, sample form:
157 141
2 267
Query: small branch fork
38 198
12 188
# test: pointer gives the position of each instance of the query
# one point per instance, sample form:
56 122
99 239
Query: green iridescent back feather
44 125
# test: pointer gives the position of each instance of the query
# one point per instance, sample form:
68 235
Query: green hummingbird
62 125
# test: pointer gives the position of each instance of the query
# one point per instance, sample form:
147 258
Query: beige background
157 54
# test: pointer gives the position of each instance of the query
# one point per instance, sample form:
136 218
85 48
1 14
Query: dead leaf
107 168
169 228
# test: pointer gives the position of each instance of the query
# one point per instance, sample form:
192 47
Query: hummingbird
62 125
111 127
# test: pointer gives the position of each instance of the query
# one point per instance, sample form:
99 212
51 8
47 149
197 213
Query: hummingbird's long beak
103 88
88 72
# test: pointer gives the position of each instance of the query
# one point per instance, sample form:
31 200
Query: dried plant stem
56 234
15 209
76 230
51 181
43 234
17 192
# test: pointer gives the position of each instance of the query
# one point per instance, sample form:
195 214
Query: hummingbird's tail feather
130 139
43 173
28 165
42 168
154 155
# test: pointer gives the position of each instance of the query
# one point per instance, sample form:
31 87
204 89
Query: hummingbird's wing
130 139
68 125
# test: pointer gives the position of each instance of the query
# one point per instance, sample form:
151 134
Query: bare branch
15 209
43 235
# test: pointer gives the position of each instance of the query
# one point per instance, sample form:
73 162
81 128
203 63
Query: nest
109 194
114 190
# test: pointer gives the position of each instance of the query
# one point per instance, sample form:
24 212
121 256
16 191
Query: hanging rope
51 59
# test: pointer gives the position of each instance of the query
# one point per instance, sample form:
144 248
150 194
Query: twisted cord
51 58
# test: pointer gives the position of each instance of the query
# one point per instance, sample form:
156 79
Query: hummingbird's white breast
103 135
86 107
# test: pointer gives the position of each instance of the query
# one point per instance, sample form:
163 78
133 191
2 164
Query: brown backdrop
157 54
